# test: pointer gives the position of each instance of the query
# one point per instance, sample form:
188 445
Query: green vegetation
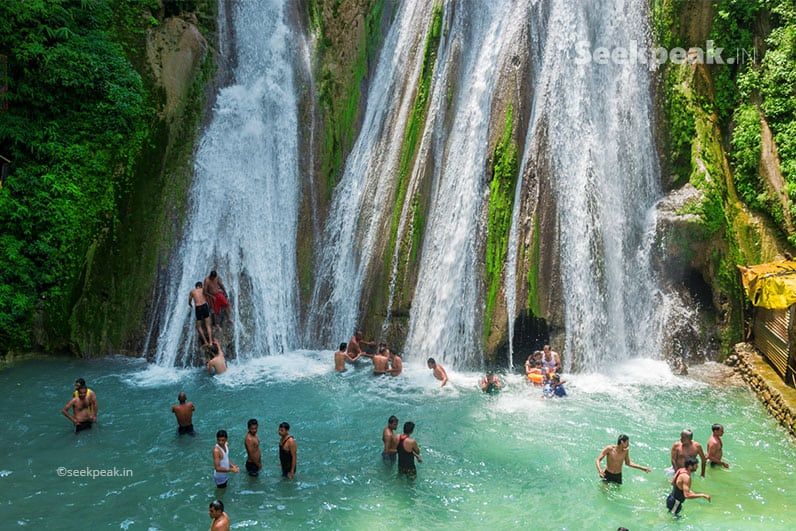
339 96
533 270
411 137
77 117
501 198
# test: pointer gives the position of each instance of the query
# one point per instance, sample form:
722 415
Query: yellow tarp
771 285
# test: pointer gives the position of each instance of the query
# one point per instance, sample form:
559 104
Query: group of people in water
686 455
542 369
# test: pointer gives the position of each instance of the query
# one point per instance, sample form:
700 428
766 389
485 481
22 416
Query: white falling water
362 199
445 319
606 177
244 201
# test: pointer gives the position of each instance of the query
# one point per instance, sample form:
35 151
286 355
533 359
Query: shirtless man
90 394
202 308
218 362
396 364
82 416
220 518
253 455
615 456
354 348
439 371
339 358
390 440
380 362
681 487
216 292
551 361
715 447
685 448
184 413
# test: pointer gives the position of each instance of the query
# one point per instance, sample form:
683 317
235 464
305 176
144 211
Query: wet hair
80 381
690 461
382 349
181 397
252 422
622 529
81 387
221 433
285 425
214 349
392 419
431 361
343 346
409 427
716 427
217 505
687 434
622 438
213 274
198 285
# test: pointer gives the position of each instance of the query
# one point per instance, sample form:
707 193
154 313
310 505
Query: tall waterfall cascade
244 200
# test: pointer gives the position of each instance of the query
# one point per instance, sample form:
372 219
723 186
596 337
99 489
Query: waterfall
245 193
605 175
362 199
445 320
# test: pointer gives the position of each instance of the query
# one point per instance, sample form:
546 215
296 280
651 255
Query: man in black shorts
197 296
615 456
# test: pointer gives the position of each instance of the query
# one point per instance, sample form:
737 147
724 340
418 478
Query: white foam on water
288 367
156 376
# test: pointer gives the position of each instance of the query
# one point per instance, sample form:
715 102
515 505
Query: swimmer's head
181 397
431 363
392 422
214 349
343 346
284 427
686 435
622 438
717 429
198 285
691 463
221 436
216 508
213 274
252 426
79 382
409 427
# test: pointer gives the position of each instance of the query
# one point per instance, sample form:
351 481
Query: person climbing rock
202 308
217 293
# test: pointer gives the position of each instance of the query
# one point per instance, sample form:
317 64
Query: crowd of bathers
543 369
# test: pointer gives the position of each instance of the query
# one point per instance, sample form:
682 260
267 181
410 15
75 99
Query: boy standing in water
184 413
339 358
615 456
681 487
287 451
408 451
253 455
222 466
390 440
715 447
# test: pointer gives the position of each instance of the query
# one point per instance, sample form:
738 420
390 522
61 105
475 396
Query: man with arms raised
681 487
685 448
615 456
390 440
253 455
202 308
220 518
83 416
439 371
715 447
184 413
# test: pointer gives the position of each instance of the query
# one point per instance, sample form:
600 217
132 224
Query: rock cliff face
123 269
706 226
